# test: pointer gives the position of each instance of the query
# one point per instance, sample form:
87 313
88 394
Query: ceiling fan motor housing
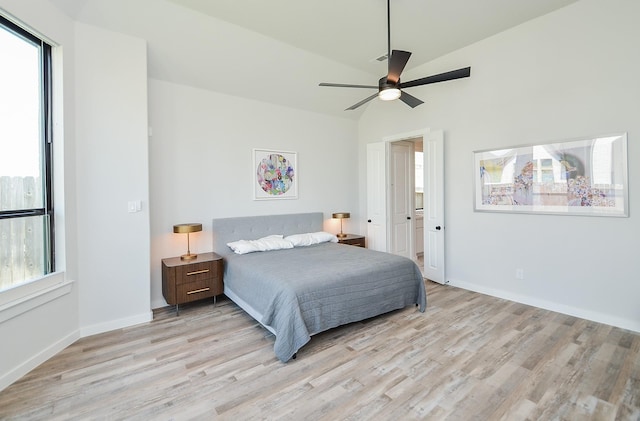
384 84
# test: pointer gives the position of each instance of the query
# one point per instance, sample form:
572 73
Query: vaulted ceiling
279 50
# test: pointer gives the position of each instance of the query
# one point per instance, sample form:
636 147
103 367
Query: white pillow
270 242
309 238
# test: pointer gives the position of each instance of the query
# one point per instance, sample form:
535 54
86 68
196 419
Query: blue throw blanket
303 291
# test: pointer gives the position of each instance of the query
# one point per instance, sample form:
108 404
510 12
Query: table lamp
187 228
341 216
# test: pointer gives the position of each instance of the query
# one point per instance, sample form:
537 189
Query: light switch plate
134 206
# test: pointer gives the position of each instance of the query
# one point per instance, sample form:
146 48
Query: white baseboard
116 324
594 316
16 373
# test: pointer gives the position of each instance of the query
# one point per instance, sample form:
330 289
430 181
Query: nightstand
353 240
184 281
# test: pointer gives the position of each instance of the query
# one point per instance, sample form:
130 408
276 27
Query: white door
401 195
376 196
434 206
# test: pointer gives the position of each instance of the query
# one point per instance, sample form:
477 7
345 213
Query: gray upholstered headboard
226 230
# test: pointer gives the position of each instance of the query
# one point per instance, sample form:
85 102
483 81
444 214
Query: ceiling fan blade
364 101
397 62
342 85
442 77
410 100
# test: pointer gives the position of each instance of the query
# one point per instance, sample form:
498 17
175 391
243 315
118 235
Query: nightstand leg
177 311
214 299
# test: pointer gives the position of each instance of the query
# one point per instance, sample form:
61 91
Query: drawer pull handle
197 291
197 272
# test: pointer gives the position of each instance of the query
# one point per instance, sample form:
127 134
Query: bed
298 292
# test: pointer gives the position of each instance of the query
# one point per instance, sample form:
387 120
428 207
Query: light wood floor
469 357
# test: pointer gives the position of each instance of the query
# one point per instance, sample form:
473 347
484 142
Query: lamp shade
187 228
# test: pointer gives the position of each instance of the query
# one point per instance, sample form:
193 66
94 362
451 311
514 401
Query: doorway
402 198
382 171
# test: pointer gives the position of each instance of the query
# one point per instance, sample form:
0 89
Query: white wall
568 74
201 164
112 167
33 336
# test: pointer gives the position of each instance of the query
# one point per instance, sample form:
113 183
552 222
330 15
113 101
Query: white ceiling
354 32
292 45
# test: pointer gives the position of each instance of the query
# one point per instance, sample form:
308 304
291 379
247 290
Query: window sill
57 288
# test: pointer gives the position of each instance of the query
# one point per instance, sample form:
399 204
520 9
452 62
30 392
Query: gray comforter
307 290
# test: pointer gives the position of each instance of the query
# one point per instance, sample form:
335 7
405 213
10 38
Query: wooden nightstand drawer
352 240
197 290
196 272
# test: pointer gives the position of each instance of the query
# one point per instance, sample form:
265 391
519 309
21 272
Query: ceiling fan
389 86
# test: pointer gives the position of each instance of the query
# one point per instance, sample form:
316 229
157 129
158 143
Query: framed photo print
587 176
274 174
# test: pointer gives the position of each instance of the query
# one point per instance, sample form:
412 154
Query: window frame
46 142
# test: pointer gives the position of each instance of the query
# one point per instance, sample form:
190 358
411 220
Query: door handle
438 228
408 218
369 220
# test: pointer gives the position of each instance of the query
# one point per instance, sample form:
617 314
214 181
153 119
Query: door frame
424 134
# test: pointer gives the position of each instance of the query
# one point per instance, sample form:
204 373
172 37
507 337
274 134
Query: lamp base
188 256
341 235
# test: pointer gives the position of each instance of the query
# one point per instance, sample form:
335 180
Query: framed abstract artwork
586 176
275 175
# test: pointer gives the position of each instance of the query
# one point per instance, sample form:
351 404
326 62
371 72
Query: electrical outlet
519 273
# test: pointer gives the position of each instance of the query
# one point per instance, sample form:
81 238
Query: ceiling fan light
389 94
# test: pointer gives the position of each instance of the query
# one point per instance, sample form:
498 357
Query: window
26 199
